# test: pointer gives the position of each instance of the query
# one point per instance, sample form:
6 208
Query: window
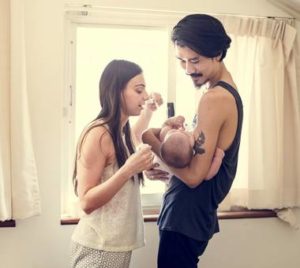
89 48
96 35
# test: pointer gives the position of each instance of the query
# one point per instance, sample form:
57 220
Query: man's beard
196 83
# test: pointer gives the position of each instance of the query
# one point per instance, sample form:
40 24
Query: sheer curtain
5 185
263 62
19 189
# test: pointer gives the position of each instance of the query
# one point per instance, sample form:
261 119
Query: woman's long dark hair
113 81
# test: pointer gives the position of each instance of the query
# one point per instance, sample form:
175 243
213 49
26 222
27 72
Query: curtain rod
88 7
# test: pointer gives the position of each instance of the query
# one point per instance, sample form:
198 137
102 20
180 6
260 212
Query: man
188 217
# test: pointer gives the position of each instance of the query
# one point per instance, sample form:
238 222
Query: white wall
41 242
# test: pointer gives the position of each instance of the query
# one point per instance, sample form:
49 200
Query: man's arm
211 117
216 163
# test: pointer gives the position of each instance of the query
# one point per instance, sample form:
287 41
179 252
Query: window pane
96 47
186 96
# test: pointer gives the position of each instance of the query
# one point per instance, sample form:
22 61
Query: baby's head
177 148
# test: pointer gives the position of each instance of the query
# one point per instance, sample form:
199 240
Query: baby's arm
151 137
216 163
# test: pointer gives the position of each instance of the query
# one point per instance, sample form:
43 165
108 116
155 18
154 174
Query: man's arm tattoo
199 143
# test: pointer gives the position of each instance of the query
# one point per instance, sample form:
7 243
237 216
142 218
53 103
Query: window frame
94 17
124 17
151 215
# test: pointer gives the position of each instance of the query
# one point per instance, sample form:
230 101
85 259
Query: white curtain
263 62
19 189
5 183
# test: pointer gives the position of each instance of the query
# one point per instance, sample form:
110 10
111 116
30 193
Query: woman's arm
96 153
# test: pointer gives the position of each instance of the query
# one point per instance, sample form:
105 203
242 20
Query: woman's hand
155 100
140 160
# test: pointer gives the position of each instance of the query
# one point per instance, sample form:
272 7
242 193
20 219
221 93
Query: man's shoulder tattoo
199 143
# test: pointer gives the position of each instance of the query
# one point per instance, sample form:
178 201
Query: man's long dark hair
202 33
113 81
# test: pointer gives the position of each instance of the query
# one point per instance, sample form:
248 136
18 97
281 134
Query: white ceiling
290 6
295 3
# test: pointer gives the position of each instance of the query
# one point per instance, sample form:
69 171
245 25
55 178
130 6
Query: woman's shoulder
96 132
97 141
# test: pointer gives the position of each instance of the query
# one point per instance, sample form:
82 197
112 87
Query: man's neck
220 74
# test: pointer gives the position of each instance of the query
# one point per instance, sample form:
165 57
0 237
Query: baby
176 146
177 149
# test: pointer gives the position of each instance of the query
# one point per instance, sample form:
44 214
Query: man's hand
156 174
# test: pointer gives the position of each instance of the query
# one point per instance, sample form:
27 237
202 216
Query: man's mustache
195 75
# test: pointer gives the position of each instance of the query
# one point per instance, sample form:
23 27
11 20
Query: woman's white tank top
116 226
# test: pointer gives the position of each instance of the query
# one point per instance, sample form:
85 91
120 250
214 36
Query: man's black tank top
193 212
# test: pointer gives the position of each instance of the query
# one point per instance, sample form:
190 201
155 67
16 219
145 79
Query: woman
108 172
